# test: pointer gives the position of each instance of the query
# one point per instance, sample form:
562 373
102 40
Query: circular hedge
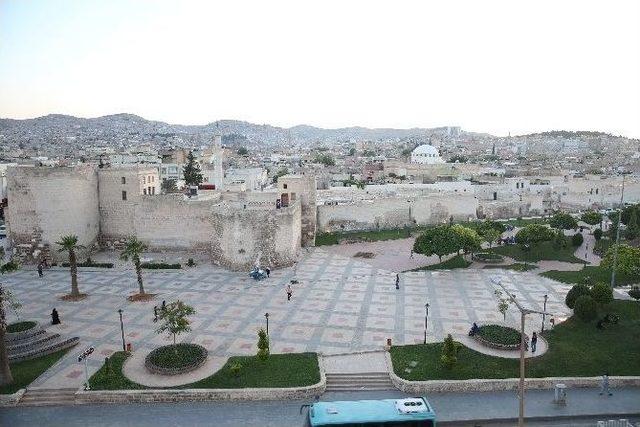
497 336
575 292
586 308
175 359
20 326
488 257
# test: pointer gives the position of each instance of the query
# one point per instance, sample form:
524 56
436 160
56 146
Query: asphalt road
454 409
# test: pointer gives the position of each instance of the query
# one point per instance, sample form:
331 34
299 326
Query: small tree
489 234
242 151
468 239
325 159
533 234
70 244
191 171
628 259
597 233
132 251
577 239
449 357
263 344
591 217
503 303
281 172
586 308
563 221
633 230
574 293
559 240
635 293
169 186
602 293
440 241
173 320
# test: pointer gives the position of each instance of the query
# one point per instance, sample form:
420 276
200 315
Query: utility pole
615 249
523 313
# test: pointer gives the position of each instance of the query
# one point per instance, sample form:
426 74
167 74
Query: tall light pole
615 249
124 348
426 319
544 308
523 313
266 316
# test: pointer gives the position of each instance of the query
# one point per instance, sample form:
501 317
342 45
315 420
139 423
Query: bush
602 293
191 262
160 266
576 292
499 334
597 233
577 239
635 293
90 263
177 356
235 369
263 345
20 326
449 356
586 308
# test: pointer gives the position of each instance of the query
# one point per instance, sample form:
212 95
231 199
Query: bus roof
363 411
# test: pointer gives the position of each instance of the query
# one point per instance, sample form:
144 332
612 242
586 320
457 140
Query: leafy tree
468 239
559 240
263 344
70 244
490 231
592 217
191 171
503 303
586 308
533 234
626 213
577 239
563 221
458 158
450 348
369 153
574 293
628 259
440 241
634 293
173 320
169 186
281 172
597 233
132 250
325 159
242 151
602 293
633 230
352 151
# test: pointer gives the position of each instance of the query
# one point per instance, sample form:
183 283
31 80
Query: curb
7 400
480 385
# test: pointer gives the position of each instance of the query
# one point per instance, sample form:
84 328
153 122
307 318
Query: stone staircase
34 343
48 397
359 381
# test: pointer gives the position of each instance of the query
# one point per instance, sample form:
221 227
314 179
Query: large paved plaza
340 305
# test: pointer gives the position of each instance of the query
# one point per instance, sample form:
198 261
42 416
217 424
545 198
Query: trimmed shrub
498 334
176 358
449 356
597 233
574 293
20 326
577 239
586 308
263 345
90 263
602 293
160 266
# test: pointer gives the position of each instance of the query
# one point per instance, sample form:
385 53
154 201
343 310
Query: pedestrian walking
534 342
55 318
268 270
40 274
604 385
289 292
397 281
411 254
164 306
155 313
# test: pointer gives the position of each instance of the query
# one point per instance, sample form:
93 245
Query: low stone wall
11 399
499 346
195 395
479 385
17 336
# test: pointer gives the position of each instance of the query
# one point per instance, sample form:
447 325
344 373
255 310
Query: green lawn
25 372
334 238
517 266
279 370
575 349
542 251
524 222
591 274
450 264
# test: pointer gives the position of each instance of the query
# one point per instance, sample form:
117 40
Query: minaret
217 176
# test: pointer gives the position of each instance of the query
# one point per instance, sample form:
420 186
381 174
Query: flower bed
500 337
488 257
20 326
174 360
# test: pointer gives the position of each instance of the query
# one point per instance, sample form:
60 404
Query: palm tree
132 250
70 244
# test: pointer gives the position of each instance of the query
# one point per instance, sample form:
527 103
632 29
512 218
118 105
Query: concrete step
359 387
48 397
359 381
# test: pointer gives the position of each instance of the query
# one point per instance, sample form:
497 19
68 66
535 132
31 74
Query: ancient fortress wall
47 203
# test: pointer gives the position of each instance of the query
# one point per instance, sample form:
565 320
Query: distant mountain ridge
123 124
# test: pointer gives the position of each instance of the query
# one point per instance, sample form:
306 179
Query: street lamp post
615 250
426 319
266 316
544 308
124 348
523 313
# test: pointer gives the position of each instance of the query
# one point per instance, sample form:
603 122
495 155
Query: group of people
163 307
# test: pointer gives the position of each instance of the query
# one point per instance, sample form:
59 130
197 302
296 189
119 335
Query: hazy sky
493 66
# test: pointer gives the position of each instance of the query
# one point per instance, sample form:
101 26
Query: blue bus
408 412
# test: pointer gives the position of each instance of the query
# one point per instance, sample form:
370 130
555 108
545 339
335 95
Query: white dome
426 154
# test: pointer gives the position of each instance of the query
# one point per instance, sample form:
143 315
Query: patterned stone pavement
340 305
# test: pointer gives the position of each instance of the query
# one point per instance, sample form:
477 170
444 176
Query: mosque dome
426 154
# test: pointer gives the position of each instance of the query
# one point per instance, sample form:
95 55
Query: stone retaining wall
17 336
11 399
464 386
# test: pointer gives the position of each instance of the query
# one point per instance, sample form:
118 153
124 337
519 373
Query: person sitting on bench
474 329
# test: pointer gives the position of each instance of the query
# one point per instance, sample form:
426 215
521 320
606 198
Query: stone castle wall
48 203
